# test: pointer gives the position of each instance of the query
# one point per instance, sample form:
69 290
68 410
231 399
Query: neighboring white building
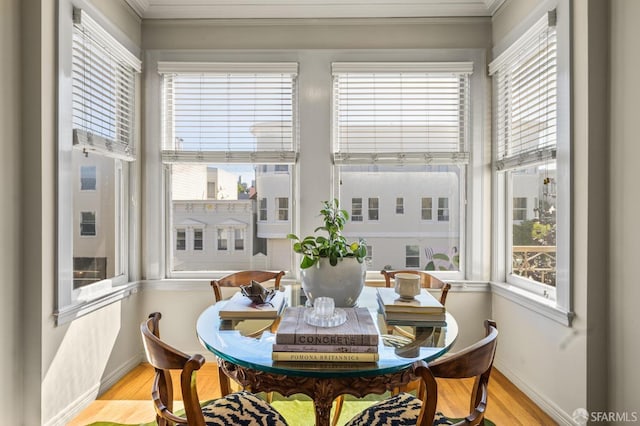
94 236
405 224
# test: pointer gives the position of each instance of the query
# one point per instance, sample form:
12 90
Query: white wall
10 245
63 366
564 368
624 202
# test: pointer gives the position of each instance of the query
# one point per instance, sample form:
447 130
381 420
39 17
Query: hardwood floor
128 401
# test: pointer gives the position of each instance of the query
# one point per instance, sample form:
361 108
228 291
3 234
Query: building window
88 224
222 239
373 209
356 209
88 270
519 209
211 190
198 239
399 205
426 211
263 209
412 256
443 209
369 257
87 178
525 161
226 123
283 208
238 239
181 239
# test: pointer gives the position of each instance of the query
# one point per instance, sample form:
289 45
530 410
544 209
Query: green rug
298 410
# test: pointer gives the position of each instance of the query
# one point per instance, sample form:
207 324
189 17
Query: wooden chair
236 408
241 278
473 361
404 408
426 280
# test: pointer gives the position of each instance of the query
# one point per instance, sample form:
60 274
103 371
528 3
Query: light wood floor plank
128 401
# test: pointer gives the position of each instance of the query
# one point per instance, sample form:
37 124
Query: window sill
533 302
84 307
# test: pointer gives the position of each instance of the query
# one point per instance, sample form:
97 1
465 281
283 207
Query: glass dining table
244 347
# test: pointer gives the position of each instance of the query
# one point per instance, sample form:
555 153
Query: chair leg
337 409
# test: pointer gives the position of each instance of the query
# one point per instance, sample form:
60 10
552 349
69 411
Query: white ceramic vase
343 282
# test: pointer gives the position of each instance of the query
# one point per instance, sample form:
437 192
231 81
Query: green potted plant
331 266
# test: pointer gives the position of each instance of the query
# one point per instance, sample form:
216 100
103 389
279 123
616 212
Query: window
426 212
211 190
412 257
238 239
283 208
181 239
96 151
222 239
373 210
369 257
525 163
263 209
88 224
356 209
443 209
233 124
402 125
198 239
519 209
87 178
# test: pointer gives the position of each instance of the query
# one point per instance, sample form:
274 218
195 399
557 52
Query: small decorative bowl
257 293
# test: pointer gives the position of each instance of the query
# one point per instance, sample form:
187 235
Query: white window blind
103 84
398 113
526 79
229 112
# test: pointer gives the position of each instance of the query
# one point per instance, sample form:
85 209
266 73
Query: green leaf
333 259
292 237
307 262
430 266
441 256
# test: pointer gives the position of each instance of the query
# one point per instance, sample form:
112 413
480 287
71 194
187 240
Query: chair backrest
429 393
473 361
165 358
241 278
426 280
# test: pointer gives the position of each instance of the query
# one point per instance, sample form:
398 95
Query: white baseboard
82 402
545 404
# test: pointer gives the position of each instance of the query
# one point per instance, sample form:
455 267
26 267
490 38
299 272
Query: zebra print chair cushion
242 409
402 409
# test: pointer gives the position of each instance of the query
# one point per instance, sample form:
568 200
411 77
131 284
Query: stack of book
424 310
240 307
354 341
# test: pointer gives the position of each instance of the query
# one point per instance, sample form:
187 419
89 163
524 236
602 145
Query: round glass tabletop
249 343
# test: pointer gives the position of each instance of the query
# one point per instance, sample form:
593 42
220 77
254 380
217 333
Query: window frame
84 222
201 239
72 303
555 303
424 209
318 182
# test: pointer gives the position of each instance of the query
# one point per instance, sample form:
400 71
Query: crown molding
305 9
